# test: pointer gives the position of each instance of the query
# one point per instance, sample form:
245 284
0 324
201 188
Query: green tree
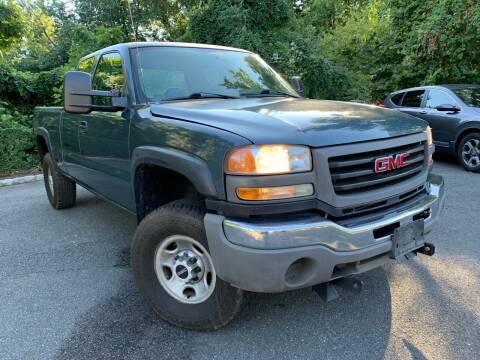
388 45
160 19
12 26
272 29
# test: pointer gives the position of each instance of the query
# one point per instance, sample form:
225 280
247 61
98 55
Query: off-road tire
64 192
468 138
182 217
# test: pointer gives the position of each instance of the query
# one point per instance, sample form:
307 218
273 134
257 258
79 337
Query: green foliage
26 89
12 25
343 49
159 19
16 141
85 41
270 28
388 45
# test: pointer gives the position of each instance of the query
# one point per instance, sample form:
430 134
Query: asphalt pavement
66 292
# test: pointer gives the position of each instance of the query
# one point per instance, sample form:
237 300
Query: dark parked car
453 112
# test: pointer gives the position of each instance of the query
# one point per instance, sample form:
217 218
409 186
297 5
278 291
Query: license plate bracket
407 238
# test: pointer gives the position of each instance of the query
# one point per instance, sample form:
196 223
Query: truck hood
294 121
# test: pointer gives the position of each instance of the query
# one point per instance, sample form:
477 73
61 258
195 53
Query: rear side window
471 96
86 65
413 98
397 98
438 97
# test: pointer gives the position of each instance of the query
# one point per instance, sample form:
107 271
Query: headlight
429 136
430 144
268 160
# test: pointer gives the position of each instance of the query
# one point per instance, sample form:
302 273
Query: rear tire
61 191
469 152
177 230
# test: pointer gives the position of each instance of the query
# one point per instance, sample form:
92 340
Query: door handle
83 125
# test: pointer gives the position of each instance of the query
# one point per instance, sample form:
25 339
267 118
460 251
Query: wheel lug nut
196 270
192 261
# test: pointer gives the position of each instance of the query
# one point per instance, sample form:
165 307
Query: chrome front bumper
257 254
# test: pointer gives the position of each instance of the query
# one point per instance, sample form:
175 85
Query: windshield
168 73
470 96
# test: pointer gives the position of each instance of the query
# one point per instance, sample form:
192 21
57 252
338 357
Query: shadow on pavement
296 324
414 351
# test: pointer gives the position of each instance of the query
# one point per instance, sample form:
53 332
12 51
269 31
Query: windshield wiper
202 95
268 92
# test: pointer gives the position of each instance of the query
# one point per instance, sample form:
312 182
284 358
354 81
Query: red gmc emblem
391 162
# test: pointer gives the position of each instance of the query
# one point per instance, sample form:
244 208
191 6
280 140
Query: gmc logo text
391 162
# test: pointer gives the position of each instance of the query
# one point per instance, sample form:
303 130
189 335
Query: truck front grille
355 173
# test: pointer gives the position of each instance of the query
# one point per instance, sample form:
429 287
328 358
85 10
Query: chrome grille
356 172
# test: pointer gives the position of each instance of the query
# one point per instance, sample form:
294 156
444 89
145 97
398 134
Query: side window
109 75
397 98
413 98
438 97
86 65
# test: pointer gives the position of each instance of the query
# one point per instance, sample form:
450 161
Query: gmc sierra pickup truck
237 181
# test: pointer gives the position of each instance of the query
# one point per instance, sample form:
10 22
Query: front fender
190 166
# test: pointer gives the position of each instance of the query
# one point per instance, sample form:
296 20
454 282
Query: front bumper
303 250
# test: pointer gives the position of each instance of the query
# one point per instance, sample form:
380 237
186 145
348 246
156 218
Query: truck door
70 129
103 137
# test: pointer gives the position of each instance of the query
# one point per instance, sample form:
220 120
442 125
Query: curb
20 180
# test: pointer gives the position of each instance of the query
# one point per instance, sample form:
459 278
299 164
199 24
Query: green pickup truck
238 182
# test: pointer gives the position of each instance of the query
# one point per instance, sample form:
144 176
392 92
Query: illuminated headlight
268 160
429 136
430 144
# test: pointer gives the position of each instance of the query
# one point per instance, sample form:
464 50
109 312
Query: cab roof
134 45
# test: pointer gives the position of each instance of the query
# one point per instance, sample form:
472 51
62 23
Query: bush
25 89
16 141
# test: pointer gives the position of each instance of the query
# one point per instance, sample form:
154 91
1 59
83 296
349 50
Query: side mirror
78 94
297 84
76 84
448 108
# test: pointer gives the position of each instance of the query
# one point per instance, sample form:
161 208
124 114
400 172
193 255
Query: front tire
174 271
61 191
469 152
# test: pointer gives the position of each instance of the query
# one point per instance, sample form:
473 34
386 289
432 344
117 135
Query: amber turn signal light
273 193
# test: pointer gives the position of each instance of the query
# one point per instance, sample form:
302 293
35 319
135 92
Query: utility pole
131 19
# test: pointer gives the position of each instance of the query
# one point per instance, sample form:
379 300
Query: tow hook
328 292
427 249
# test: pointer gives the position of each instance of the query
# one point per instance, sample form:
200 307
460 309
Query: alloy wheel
471 153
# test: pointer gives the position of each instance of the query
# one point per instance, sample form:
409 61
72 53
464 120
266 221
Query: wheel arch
464 131
42 142
182 171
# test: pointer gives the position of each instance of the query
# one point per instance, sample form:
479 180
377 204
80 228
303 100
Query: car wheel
61 191
469 152
174 270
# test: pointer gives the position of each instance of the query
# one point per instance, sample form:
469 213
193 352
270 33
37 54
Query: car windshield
172 73
470 96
